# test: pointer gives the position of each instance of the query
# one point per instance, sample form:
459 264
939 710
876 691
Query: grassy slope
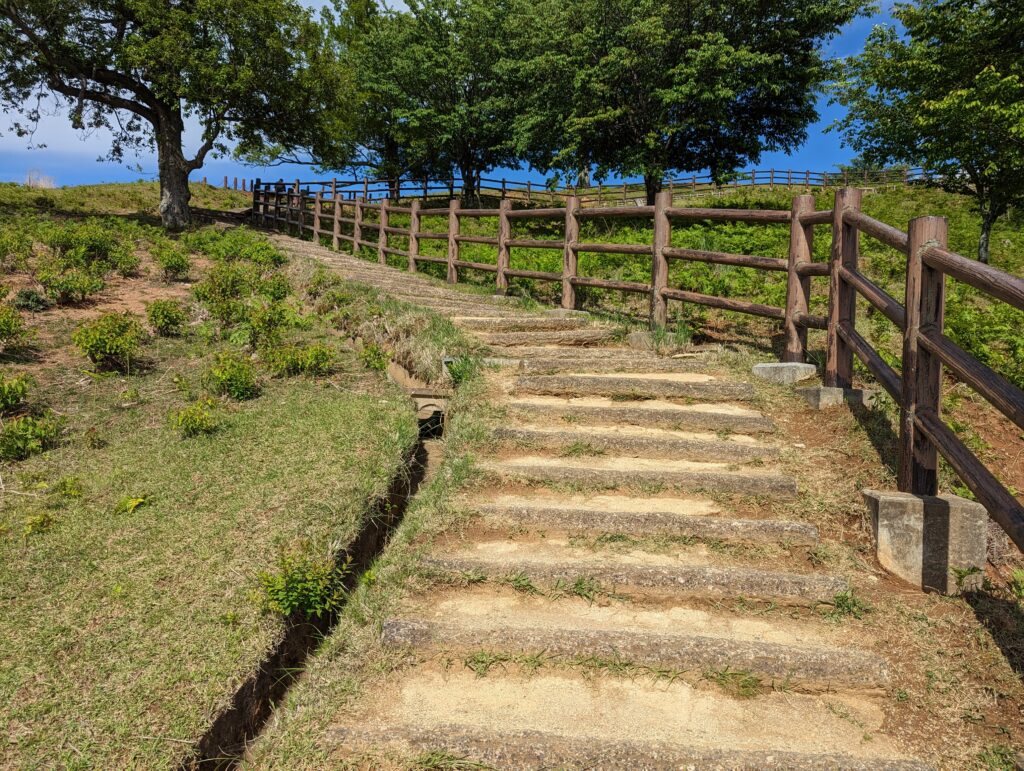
124 633
135 198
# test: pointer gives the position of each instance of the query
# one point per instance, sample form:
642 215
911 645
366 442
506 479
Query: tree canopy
648 87
141 68
948 95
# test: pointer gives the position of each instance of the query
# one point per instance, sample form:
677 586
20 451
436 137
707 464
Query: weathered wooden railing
917 390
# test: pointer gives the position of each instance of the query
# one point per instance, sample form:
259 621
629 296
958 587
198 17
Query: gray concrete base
925 540
823 397
565 313
784 372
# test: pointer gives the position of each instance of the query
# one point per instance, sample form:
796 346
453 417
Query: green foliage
12 327
945 91
374 357
232 375
196 419
275 287
167 317
70 286
225 288
130 504
1017 584
314 360
462 368
111 341
15 246
14 392
23 437
846 604
304 583
174 261
234 245
94 246
30 300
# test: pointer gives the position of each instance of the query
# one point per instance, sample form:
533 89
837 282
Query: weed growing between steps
134 536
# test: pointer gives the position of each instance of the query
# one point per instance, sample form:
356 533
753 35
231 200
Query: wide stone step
605 472
640 386
587 354
587 336
521 323
801 668
636 441
541 366
692 574
653 412
533 750
640 517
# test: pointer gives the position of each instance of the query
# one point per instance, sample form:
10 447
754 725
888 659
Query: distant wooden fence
917 390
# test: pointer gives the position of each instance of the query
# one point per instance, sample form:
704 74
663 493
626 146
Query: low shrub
95 246
30 300
315 360
26 436
15 246
167 317
374 357
235 245
14 393
275 287
12 327
195 419
173 261
304 583
232 375
224 289
70 286
111 341
266 324
461 369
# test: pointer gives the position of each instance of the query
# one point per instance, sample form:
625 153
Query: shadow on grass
1004 619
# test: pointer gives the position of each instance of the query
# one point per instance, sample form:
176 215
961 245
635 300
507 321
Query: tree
142 67
948 95
648 87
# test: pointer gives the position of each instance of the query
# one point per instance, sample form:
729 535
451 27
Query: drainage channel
225 741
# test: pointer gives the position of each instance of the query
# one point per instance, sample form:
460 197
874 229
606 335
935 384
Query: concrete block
641 341
784 372
924 539
823 397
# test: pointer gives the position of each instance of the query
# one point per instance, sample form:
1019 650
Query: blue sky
71 157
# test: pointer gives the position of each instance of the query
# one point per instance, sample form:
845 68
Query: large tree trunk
470 186
652 185
174 171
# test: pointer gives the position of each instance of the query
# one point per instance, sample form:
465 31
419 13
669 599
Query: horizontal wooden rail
642 249
729 215
392 230
876 365
432 236
887 234
999 284
394 251
524 214
817 218
622 286
811 321
617 211
477 212
812 269
878 297
489 240
476 265
534 243
724 258
535 274
724 303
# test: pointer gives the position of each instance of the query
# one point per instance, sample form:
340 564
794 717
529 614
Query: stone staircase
586 617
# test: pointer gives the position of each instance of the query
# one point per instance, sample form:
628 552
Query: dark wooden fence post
414 234
336 223
504 234
659 263
922 370
357 228
798 288
318 208
382 232
842 296
256 205
570 254
453 244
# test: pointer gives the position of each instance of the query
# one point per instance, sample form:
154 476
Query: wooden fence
926 349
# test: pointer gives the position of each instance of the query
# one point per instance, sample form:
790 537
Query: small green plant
223 290
13 392
23 437
69 287
968 579
111 341
580 449
173 261
304 583
232 375
522 583
275 287
736 682
846 604
167 317
998 757
196 419
35 524
131 503
12 327
316 360
374 357
461 369
30 300
1016 584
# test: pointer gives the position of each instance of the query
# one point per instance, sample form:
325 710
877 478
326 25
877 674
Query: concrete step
501 746
639 517
541 366
656 413
582 337
521 323
608 472
690 573
636 442
639 385
577 353
800 668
